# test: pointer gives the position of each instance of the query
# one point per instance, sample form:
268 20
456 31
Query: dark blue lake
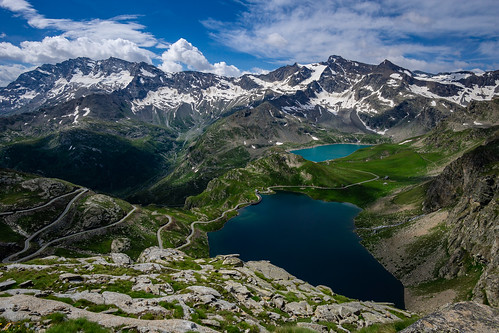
328 152
313 240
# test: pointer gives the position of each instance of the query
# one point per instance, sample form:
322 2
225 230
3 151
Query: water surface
328 152
311 239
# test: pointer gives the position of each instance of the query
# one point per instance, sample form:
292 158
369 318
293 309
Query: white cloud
9 73
427 33
59 48
184 53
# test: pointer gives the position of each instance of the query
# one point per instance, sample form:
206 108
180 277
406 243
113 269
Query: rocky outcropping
464 317
469 187
186 294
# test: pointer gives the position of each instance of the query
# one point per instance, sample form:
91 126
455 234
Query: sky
233 37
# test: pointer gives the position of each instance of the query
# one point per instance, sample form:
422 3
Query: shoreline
329 144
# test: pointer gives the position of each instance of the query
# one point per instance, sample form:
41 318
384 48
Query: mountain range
83 120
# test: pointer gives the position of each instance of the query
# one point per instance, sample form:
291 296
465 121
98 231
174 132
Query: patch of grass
9 235
293 329
178 311
80 325
389 328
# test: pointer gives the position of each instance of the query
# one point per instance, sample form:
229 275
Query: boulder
268 270
299 309
70 277
7 284
233 261
154 253
201 290
120 244
121 259
463 317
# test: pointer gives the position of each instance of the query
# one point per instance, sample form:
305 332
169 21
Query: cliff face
469 189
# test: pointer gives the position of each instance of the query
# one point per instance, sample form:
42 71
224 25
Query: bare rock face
464 317
50 188
471 191
120 244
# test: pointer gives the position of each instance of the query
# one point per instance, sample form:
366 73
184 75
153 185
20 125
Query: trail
158 233
57 220
42 206
74 235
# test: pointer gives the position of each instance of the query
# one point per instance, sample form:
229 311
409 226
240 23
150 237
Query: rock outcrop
186 294
469 188
464 317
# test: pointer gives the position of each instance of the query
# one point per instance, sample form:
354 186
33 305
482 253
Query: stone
268 270
25 284
201 290
324 313
210 322
278 301
154 253
70 277
233 261
7 284
299 309
463 317
236 288
120 244
313 327
121 259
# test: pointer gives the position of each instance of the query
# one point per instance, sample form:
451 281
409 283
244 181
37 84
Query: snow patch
396 76
279 143
147 73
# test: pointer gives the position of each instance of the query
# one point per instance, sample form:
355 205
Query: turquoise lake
311 239
328 152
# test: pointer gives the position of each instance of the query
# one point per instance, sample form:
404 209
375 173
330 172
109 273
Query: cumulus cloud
434 35
182 53
59 48
9 73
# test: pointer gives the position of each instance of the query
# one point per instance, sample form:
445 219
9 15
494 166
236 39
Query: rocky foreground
167 291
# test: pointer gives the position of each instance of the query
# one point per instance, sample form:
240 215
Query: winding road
66 210
158 233
259 198
42 206
57 220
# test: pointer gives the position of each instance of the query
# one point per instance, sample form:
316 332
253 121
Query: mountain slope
326 92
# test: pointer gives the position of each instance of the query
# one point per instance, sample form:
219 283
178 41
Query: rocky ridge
168 290
337 93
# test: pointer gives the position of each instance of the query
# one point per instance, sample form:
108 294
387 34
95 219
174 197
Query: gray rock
121 259
236 288
154 253
299 309
278 301
120 244
314 327
70 277
233 261
26 284
7 284
210 322
269 271
324 313
463 317
201 290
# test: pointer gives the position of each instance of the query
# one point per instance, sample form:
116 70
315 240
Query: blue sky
231 37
